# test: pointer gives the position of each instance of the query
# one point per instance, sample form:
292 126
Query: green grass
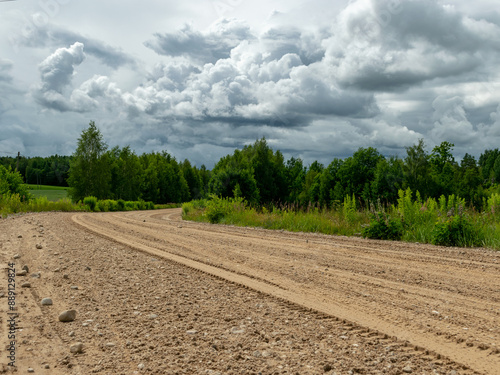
443 222
52 193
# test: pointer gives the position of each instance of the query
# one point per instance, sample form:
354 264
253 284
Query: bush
91 202
120 204
456 231
218 208
383 227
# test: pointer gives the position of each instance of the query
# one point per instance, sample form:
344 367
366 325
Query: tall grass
12 203
235 211
445 221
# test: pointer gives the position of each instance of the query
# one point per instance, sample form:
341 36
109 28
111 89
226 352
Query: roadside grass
12 204
52 193
444 222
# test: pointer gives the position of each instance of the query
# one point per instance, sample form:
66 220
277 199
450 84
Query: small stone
26 268
71 334
141 366
20 236
26 285
36 275
407 370
87 268
67 316
74 287
110 344
76 348
47 366
65 276
39 246
153 316
30 369
17 256
57 270
257 354
192 332
46 302
327 367
21 273
237 330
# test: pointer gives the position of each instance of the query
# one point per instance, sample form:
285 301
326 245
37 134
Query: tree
90 173
417 169
11 182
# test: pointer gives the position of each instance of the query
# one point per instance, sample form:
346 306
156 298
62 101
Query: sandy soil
157 295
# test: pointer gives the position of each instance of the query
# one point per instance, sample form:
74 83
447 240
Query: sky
318 79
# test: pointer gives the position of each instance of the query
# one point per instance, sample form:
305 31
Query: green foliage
11 182
89 174
384 227
456 230
13 203
91 202
218 208
349 209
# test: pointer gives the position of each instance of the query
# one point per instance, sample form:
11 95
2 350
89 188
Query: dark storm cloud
52 36
380 47
210 46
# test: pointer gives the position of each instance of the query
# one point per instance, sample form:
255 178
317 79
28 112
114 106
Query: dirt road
157 295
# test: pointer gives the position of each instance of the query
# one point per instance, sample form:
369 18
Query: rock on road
155 295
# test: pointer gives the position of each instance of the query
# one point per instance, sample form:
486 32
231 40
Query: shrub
120 204
91 202
349 209
383 227
456 231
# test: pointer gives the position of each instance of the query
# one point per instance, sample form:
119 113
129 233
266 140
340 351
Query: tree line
262 176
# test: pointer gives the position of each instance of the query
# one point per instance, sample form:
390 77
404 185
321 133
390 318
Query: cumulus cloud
209 46
384 46
56 72
53 36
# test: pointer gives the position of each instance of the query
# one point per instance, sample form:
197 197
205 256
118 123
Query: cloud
56 72
53 36
5 70
386 46
209 46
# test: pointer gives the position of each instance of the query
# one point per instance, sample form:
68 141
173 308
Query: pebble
110 344
71 334
153 316
36 275
39 246
26 268
327 368
21 273
74 287
408 369
141 366
46 302
191 332
26 285
30 370
67 316
237 330
65 276
47 366
20 236
17 256
76 348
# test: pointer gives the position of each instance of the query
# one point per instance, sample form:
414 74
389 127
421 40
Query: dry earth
156 295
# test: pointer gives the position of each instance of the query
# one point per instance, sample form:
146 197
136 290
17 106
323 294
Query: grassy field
52 193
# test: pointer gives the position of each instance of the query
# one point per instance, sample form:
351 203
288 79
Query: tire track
258 260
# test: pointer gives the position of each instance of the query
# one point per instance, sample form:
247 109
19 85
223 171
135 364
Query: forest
261 175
